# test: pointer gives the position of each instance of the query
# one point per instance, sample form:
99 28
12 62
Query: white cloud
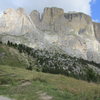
96 20
67 5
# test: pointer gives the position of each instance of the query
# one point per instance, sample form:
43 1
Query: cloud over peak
68 5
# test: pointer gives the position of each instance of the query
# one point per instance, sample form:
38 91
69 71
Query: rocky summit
73 33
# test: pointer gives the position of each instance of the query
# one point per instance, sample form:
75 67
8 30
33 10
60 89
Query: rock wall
17 26
55 20
97 31
14 22
73 33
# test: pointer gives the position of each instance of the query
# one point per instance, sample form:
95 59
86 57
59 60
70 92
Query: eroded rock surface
73 33
97 30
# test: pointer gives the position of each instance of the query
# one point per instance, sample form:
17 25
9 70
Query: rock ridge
74 33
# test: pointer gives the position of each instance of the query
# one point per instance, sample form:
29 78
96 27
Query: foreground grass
22 84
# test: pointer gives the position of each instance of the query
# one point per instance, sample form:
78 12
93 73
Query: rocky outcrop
55 20
35 16
97 31
73 33
15 22
17 26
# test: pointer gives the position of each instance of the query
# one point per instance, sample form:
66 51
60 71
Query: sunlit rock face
73 33
55 20
17 26
97 30
14 22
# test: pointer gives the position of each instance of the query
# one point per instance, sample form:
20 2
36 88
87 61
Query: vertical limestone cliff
17 26
55 20
97 30
73 32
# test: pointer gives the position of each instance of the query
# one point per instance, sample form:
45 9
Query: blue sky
90 7
96 10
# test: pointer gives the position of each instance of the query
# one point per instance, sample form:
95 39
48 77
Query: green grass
12 57
58 86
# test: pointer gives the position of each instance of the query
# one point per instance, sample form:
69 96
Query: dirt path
5 98
25 83
44 96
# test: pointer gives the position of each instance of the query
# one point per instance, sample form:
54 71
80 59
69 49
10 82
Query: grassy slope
12 57
57 86
13 76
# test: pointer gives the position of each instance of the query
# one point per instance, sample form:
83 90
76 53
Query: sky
95 7
90 7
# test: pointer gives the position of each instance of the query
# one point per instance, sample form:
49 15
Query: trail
5 98
44 96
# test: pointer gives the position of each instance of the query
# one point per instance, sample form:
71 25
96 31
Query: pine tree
0 42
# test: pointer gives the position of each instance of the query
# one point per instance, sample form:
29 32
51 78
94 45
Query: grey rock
73 32
97 30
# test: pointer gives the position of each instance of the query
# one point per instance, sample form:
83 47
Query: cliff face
14 22
17 26
97 31
73 33
55 20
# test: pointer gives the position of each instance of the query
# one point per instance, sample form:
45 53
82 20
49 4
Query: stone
35 16
97 30
17 26
73 33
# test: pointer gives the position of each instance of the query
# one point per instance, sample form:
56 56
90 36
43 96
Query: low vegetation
12 57
22 77
57 63
29 85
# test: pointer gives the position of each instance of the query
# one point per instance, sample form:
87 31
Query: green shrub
6 80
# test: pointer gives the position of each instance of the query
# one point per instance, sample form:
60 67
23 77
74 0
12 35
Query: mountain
19 83
73 33
49 62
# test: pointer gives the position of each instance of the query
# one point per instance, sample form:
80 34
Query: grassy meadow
22 84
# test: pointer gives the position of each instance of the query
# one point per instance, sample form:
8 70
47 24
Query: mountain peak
53 11
9 11
73 33
21 10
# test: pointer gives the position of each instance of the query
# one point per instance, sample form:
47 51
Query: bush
0 42
92 76
6 80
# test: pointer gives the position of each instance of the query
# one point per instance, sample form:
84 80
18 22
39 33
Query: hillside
23 84
48 62
49 56
12 57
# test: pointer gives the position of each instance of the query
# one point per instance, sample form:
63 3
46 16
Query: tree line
58 63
